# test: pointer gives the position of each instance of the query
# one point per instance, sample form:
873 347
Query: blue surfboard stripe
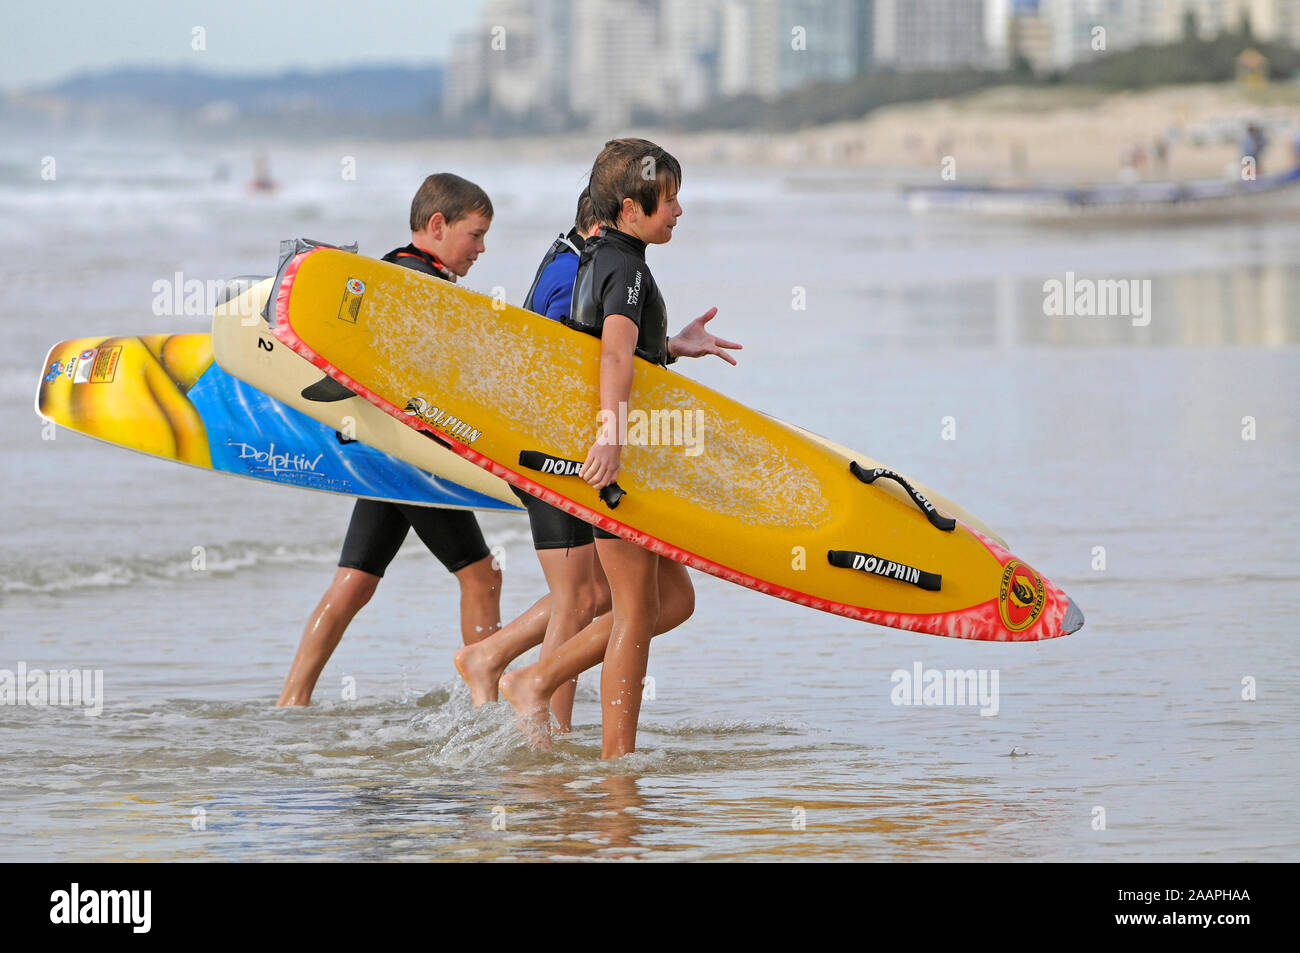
252 434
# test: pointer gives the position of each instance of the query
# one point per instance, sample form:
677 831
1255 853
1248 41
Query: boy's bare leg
480 600
603 603
350 590
481 664
569 577
528 689
633 575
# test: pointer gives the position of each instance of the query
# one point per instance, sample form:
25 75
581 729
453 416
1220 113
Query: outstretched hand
694 341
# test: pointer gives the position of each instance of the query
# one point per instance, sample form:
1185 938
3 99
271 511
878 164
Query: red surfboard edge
981 622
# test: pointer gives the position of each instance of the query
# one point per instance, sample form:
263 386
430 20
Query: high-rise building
1288 19
864 27
997 32
691 31
608 63
513 64
1082 29
1028 36
748 50
819 42
1215 17
930 34
1130 23
464 84
616 72
769 47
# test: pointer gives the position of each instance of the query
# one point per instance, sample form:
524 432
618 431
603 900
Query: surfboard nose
1073 620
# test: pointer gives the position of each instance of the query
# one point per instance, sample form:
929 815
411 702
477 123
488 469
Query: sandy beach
1052 134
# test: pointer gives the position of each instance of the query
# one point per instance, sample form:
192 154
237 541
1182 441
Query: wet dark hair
449 194
620 172
585 217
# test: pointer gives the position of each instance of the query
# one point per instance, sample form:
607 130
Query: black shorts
378 530
552 527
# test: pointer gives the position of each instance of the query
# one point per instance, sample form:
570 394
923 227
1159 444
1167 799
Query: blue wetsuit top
552 289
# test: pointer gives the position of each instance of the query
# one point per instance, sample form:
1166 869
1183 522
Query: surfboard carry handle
879 566
545 463
937 519
436 439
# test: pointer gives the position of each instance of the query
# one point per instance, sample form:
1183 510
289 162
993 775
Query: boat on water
1146 201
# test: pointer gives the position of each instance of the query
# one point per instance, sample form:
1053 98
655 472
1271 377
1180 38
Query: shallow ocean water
772 733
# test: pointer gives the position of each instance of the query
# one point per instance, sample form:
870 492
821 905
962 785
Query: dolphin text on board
444 420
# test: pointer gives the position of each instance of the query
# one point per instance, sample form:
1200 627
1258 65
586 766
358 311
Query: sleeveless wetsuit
551 294
378 529
552 289
613 279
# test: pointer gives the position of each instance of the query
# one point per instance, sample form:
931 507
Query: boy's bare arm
618 343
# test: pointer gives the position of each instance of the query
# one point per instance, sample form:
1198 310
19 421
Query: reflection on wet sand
1257 306
573 815
578 817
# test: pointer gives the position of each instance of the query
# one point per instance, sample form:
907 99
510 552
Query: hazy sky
45 41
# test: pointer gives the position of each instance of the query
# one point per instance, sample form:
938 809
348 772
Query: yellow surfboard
244 347
705 480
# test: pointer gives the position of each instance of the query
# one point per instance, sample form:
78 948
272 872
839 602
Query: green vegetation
833 102
1191 60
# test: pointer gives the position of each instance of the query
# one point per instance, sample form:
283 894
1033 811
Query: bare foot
480 672
532 711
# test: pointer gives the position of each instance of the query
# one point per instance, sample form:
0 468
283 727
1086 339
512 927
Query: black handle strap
879 566
937 519
545 463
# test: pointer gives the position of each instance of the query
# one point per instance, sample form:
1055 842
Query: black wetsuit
613 279
378 530
552 527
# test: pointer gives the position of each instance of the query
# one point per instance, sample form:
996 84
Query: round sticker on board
356 286
1021 596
